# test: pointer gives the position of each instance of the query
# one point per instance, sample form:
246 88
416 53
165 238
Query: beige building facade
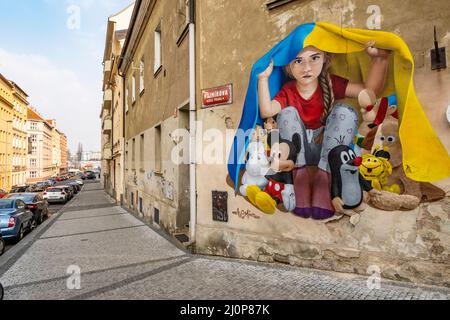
409 245
63 156
156 70
40 158
14 147
113 105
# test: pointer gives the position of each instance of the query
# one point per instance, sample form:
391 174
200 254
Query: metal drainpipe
192 125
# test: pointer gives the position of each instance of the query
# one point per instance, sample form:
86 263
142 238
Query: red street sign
217 96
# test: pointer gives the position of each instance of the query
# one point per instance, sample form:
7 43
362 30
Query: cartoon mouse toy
280 189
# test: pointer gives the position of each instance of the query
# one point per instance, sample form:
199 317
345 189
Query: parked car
15 219
35 202
35 189
75 185
56 194
3 193
2 246
91 175
19 189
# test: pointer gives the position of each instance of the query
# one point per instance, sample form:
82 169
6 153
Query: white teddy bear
256 168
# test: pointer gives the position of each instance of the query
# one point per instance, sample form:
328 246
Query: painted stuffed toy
270 125
256 167
424 191
280 189
373 111
376 168
347 184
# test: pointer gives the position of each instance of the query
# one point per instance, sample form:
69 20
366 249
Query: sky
53 49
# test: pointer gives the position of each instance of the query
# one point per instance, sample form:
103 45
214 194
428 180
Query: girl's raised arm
267 107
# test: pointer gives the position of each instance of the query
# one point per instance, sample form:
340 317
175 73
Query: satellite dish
448 114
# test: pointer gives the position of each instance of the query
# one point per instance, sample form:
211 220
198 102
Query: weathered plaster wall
411 246
165 92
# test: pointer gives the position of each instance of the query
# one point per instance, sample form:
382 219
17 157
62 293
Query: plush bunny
256 167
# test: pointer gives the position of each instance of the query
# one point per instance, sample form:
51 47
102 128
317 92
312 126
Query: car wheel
41 217
33 224
2 247
20 234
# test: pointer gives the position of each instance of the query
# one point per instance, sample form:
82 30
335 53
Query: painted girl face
308 65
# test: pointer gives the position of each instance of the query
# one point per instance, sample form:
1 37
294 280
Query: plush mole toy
347 183
280 189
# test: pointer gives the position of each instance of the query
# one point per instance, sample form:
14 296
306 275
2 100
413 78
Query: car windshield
24 197
54 189
6 204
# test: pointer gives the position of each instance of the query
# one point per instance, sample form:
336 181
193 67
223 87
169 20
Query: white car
56 194
80 182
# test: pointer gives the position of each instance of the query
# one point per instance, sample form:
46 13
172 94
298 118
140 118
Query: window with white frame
141 75
33 125
158 59
33 174
33 138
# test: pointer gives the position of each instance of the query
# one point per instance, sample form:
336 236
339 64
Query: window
157 49
158 160
141 76
126 98
33 174
33 138
142 150
33 126
33 163
133 89
140 205
133 154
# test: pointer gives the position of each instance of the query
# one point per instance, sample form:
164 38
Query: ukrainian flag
424 156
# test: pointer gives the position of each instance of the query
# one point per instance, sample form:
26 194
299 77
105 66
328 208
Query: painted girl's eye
316 58
383 138
391 139
345 157
298 61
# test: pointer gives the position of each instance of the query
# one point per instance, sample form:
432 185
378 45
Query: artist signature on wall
245 214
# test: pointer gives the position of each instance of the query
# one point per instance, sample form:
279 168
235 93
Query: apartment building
40 158
63 148
113 107
13 139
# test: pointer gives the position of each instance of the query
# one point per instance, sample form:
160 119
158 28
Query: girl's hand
266 74
376 52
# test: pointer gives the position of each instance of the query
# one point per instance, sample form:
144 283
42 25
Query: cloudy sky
56 58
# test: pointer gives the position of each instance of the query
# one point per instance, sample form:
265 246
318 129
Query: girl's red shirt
310 110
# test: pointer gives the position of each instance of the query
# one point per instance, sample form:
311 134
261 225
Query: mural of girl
306 105
293 84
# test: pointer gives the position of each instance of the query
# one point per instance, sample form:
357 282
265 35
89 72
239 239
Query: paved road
93 249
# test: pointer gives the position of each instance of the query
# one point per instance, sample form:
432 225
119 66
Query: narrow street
119 257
